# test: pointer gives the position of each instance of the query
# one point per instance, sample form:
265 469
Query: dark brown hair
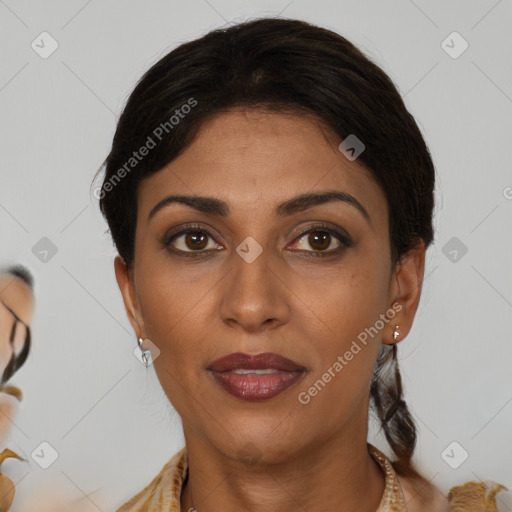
282 65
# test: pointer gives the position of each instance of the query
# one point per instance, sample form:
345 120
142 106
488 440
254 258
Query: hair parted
282 65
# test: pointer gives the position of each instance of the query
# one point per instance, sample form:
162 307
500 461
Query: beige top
164 492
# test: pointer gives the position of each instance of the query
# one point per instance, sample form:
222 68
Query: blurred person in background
16 311
17 304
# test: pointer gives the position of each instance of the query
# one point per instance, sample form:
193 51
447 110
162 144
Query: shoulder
487 496
421 498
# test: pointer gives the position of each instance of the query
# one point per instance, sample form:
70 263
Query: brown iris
320 239
196 240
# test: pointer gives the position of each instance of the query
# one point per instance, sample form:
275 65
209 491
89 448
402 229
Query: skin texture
19 297
275 455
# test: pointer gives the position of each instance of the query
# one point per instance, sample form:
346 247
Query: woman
271 201
16 312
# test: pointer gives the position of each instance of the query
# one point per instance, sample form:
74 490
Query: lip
254 362
252 386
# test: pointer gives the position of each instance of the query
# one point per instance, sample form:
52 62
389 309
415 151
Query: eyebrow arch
214 206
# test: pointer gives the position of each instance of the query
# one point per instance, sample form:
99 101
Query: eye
323 240
191 239
194 241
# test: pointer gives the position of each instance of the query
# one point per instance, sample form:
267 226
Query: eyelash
343 238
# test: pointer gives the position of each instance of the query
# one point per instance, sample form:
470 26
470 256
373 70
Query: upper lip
254 362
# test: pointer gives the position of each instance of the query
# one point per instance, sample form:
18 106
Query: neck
335 476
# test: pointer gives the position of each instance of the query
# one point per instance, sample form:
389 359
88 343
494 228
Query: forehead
17 295
253 158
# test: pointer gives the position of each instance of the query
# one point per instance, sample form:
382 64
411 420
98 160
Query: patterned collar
164 492
393 499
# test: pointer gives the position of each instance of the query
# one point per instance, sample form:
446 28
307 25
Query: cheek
342 303
347 335
346 354
177 314
5 347
7 410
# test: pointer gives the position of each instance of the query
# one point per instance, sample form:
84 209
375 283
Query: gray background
85 392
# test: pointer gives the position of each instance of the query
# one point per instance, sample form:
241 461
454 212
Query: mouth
255 377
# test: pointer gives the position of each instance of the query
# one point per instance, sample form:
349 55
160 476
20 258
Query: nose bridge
252 293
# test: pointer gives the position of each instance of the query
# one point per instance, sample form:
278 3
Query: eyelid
182 230
332 229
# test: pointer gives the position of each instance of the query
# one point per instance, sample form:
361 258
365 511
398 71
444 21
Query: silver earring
143 352
396 333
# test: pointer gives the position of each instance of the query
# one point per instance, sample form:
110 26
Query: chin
262 447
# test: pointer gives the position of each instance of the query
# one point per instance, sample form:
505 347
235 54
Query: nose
254 296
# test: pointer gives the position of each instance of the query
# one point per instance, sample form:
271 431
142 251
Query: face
304 286
17 296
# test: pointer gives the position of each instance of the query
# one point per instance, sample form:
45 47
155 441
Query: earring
393 346
143 352
396 333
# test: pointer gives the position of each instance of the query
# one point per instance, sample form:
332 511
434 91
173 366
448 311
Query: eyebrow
214 206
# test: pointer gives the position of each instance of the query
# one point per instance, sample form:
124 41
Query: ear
125 282
405 292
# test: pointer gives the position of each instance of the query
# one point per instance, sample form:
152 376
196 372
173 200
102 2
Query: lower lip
254 387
